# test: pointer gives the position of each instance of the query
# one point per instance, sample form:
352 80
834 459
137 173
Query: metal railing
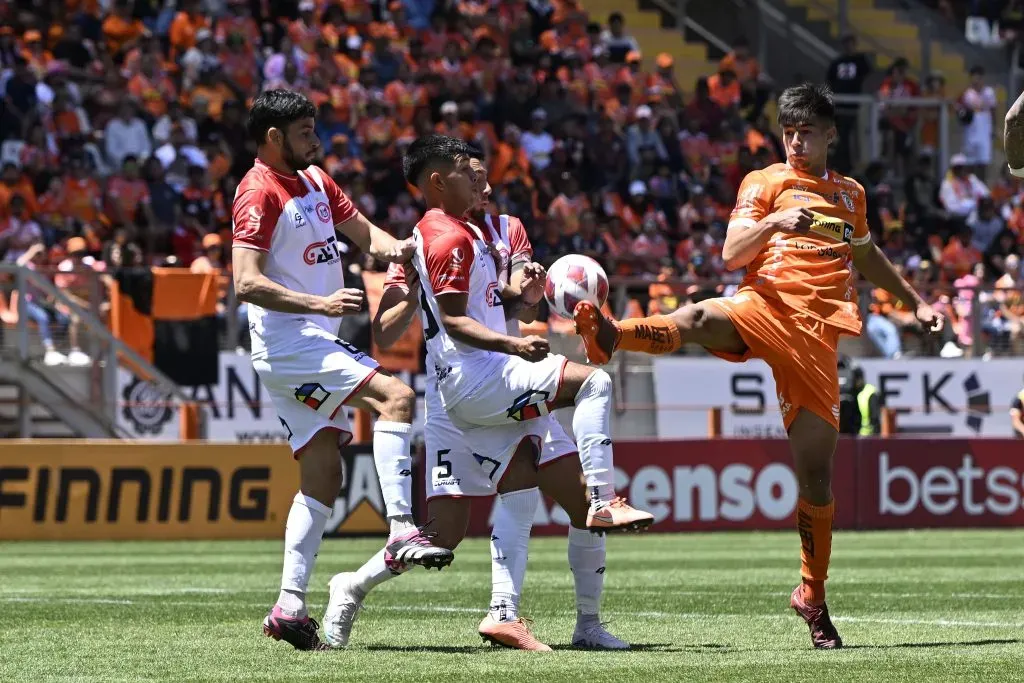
106 351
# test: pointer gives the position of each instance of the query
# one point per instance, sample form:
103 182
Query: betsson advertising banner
960 398
238 409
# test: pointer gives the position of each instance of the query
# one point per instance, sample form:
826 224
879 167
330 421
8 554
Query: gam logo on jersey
322 252
493 295
323 212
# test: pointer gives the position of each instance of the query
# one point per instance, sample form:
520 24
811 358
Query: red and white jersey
453 256
514 247
292 219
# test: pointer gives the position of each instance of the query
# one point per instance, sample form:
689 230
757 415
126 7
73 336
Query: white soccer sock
394 470
591 423
510 538
303 533
586 560
373 573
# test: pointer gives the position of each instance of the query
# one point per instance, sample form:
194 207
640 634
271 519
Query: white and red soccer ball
572 279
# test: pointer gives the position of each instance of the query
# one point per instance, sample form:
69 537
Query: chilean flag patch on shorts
312 394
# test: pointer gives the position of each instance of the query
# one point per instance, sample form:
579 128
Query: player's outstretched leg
813 442
348 590
590 390
392 401
702 324
560 481
320 481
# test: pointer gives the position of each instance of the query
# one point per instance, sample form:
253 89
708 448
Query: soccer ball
572 279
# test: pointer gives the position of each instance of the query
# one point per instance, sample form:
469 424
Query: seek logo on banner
964 398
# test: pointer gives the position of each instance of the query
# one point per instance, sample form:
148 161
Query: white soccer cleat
342 608
596 637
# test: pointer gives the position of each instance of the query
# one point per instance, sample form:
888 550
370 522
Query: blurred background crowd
122 141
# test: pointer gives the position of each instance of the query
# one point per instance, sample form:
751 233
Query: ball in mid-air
572 279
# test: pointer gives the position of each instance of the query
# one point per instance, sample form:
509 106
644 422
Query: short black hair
616 16
977 69
805 103
277 109
430 151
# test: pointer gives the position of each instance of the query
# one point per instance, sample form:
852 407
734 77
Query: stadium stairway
894 31
655 34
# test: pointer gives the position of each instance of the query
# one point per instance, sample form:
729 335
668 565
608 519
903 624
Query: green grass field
911 606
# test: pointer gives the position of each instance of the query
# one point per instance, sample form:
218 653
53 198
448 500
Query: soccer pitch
911 606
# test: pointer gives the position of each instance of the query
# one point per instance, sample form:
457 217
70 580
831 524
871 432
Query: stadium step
888 33
691 58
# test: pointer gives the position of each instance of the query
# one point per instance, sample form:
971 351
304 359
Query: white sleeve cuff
1017 172
861 241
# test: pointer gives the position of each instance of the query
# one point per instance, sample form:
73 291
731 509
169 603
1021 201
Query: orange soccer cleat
512 634
600 335
618 515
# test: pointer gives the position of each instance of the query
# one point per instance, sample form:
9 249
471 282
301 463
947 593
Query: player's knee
398 405
690 318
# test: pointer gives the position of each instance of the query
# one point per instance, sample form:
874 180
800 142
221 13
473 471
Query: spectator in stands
960 256
846 76
18 231
126 135
39 308
924 213
78 282
724 90
985 223
961 189
754 85
641 135
978 103
122 251
587 242
900 120
616 41
538 142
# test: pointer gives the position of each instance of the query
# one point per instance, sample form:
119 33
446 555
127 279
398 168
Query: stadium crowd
123 140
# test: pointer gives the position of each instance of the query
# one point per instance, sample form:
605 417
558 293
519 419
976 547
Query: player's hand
400 253
796 221
931 320
344 302
532 348
535 278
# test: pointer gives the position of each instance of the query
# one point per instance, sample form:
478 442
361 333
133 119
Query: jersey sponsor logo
801 198
848 202
322 252
457 257
323 212
298 219
529 405
493 295
312 395
834 228
253 221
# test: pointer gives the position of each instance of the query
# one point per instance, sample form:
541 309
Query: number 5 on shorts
444 467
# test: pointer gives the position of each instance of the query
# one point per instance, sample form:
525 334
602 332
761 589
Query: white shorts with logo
310 382
509 406
454 470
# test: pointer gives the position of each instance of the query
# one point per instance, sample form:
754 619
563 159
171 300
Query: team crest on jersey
847 201
312 395
529 405
457 257
323 212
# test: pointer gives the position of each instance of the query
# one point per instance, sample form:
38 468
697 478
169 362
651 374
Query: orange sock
655 335
814 522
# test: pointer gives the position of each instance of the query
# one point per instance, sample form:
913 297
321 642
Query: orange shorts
800 350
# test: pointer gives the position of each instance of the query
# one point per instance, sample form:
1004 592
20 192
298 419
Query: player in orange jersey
796 228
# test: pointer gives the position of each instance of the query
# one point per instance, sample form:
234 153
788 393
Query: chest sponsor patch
832 228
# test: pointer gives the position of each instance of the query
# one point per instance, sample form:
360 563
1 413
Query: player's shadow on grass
958 643
641 647
445 649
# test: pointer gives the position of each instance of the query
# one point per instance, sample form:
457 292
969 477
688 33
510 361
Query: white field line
698 616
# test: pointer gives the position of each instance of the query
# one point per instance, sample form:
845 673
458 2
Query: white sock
393 460
303 533
591 424
373 573
586 561
510 538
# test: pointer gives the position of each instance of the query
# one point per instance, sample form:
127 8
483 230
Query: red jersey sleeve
449 258
342 208
395 277
253 216
519 243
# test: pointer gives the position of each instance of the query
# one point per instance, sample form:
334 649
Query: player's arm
463 328
1016 416
524 291
1013 137
876 267
753 222
397 308
350 222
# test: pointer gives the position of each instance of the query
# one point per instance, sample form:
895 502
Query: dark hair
616 16
805 103
277 109
977 69
432 151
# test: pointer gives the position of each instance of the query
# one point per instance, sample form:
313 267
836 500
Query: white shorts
310 382
499 415
453 470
